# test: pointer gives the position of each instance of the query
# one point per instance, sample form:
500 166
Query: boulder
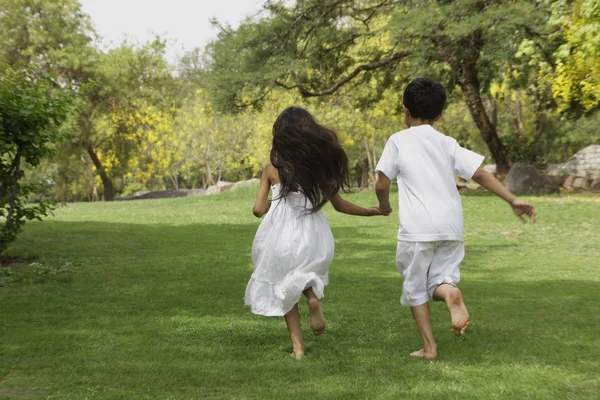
577 182
595 185
212 190
569 181
460 185
526 179
557 180
585 163
246 183
223 184
581 182
490 168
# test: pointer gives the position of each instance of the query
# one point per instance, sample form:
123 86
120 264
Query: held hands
378 210
521 208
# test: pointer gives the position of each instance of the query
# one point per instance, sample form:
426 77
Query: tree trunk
540 129
14 190
519 120
469 83
370 161
364 176
465 66
109 190
493 110
486 128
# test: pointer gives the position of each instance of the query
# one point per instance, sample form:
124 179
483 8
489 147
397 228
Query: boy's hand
521 208
378 211
383 211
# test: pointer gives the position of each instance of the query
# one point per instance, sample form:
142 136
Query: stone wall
585 163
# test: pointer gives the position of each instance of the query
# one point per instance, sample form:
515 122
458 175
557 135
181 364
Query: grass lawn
144 299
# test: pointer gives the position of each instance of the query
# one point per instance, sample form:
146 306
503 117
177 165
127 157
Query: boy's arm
262 203
492 184
382 189
346 207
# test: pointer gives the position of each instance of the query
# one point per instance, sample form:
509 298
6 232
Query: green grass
136 300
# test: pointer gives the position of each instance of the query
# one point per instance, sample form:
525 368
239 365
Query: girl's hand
385 211
378 211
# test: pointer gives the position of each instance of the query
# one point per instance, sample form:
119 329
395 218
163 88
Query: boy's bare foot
458 312
429 355
318 324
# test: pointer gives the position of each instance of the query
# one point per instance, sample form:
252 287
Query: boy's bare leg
429 350
292 319
452 296
317 320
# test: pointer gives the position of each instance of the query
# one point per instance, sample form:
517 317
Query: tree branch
332 89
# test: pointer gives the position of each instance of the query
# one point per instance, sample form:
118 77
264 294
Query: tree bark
469 83
540 129
109 190
14 190
485 126
364 175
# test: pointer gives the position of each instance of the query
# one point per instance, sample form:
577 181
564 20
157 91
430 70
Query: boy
430 240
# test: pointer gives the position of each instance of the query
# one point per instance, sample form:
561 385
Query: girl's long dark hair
308 156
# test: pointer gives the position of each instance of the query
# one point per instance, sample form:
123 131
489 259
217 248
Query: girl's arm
262 203
346 207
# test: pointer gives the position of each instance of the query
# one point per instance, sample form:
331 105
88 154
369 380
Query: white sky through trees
185 23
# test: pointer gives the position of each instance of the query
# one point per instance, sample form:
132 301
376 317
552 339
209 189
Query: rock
490 168
577 182
196 192
557 180
585 163
569 181
460 185
595 185
225 188
212 190
223 184
246 183
526 179
581 183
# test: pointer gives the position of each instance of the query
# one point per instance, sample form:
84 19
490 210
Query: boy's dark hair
308 157
424 98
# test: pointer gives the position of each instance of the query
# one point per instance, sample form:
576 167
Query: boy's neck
412 122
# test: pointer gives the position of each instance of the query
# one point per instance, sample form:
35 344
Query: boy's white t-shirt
424 161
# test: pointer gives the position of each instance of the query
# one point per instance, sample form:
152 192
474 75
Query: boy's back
425 161
430 242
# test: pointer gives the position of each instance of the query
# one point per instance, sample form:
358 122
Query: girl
294 245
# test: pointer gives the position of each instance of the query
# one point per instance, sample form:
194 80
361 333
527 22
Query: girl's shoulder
272 174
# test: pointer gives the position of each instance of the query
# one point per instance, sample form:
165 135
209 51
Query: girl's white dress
291 252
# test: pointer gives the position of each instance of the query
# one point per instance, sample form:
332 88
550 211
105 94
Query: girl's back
292 250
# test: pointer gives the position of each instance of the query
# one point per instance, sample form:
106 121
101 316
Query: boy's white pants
426 265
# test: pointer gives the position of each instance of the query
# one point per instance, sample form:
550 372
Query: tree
577 82
46 35
318 46
31 108
118 84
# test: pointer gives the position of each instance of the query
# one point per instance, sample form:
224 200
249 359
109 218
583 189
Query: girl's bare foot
458 312
429 355
318 324
298 354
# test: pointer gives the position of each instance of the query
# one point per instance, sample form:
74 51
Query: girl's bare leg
317 320
429 350
292 319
